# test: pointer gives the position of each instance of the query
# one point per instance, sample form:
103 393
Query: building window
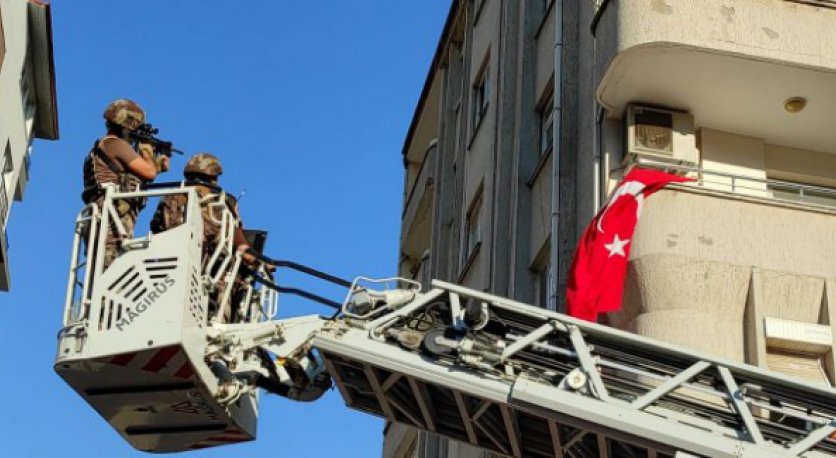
798 348
543 279
806 366
5 177
436 446
481 97
412 449
27 160
547 125
473 228
27 91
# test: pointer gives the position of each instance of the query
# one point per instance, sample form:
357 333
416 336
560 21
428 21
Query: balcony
416 219
713 258
731 63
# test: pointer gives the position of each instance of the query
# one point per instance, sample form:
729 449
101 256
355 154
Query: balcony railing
752 187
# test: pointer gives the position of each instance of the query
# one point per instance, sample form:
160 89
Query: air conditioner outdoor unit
661 135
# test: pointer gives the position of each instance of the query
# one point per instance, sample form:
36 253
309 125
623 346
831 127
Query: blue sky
307 104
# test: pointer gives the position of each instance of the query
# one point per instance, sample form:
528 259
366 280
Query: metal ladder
524 381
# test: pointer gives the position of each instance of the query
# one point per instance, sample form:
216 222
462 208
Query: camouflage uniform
100 169
171 212
114 241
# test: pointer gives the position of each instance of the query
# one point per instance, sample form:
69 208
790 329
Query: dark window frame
472 245
480 99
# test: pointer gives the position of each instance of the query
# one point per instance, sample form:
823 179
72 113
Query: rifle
145 133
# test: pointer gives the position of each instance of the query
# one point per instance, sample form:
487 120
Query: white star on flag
616 247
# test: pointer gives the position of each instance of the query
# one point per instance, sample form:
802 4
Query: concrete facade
27 95
750 241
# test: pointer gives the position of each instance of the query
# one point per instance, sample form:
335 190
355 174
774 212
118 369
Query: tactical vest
100 169
171 212
211 230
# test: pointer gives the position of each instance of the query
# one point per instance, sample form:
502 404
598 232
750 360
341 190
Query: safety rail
765 188
218 271
88 250
76 305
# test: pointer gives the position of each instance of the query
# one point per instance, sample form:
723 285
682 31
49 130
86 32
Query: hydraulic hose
300 268
295 291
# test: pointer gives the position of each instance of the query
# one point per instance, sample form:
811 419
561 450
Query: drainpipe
557 111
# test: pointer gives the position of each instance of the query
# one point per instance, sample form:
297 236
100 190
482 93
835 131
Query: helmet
204 164
125 113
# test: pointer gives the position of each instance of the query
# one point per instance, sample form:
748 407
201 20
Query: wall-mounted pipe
557 112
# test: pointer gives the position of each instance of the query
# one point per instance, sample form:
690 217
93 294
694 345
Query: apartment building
28 101
532 110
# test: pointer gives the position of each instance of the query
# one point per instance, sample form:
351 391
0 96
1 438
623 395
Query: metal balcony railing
758 188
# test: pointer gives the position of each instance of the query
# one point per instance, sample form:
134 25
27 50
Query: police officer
112 159
202 171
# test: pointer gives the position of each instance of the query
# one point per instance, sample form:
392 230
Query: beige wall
743 156
479 159
735 155
775 30
800 165
13 128
690 272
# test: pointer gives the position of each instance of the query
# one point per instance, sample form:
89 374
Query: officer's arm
241 244
141 165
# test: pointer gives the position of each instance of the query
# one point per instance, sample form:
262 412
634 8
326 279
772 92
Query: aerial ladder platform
174 357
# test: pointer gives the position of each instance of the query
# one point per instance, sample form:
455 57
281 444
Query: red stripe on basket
185 371
229 439
123 359
161 358
229 436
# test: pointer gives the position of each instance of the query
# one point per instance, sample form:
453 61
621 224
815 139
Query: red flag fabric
596 278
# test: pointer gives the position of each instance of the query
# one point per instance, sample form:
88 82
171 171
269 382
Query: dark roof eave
43 66
448 25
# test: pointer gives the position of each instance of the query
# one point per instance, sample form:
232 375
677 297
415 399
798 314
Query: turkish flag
596 278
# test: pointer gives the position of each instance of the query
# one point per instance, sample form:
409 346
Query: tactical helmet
204 164
125 113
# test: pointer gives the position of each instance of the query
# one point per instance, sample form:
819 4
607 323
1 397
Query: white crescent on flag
628 188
